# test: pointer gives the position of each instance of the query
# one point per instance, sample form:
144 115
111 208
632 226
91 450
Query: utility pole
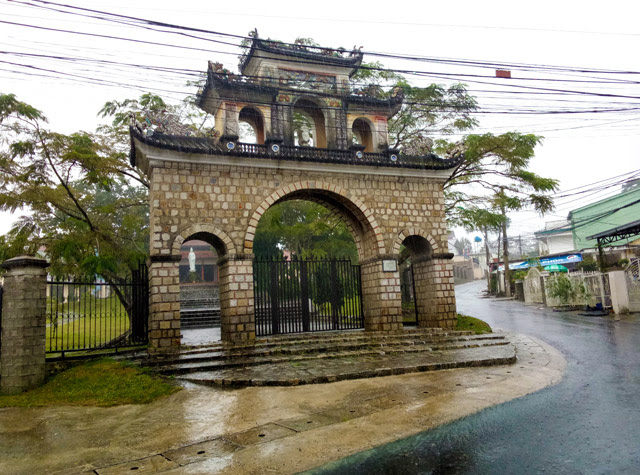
520 243
488 256
505 245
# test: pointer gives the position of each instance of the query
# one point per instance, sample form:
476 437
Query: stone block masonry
435 294
164 304
223 204
22 356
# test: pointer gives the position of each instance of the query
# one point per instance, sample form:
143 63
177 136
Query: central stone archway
376 294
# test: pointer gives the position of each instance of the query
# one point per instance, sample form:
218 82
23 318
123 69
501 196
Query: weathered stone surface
24 303
226 202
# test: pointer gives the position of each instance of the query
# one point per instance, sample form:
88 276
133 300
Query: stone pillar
237 318
164 305
24 325
381 300
435 294
619 292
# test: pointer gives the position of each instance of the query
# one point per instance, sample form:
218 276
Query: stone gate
315 139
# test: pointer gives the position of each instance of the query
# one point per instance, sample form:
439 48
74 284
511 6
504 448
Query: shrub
565 290
587 265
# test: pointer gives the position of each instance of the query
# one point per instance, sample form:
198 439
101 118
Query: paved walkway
262 429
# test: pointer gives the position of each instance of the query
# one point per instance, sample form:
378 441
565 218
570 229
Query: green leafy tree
87 207
306 229
462 244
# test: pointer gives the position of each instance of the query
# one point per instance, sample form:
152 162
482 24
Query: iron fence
306 296
88 314
1 292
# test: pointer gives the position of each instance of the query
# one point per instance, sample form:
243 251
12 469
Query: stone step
327 346
202 324
329 337
199 318
191 315
258 356
186 368
208 303
311 371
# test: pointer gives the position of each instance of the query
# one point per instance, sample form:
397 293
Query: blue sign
545 261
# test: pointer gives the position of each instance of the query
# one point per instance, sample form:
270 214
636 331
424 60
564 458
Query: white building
556 238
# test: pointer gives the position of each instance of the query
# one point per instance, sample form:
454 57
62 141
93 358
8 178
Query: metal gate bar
306 296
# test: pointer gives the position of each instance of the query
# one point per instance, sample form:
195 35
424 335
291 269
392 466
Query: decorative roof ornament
299 49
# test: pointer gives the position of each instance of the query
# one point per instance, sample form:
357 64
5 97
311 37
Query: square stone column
164 305
435 294
237 318
381 302
24 325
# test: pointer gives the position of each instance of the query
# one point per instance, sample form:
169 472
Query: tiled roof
207 146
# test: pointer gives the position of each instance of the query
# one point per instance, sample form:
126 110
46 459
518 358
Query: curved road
589 423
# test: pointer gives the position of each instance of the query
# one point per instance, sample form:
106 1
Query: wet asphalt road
587 424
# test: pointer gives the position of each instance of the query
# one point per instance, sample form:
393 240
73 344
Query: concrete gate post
237 318
381 301
23 324
164 305
619 292
435 294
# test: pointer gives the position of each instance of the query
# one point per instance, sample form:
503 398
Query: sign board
546 261
389 265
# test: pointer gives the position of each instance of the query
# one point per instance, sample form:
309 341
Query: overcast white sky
578 149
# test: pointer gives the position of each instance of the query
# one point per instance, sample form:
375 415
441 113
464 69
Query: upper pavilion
295 102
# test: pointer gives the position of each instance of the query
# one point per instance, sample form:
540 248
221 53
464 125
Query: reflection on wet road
589 423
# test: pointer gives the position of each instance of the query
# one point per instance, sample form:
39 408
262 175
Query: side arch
351 203
405 233
223 246
364 130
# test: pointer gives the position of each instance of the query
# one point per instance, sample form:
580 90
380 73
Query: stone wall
234 198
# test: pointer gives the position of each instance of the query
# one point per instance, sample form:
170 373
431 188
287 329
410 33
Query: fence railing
89 314
1 292
306 296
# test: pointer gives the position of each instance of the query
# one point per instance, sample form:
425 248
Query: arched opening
199 279
361 130
308 125
306 272
414 251
251 126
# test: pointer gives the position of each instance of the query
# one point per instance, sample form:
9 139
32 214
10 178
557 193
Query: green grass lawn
102 382
85 331
476 325
85 322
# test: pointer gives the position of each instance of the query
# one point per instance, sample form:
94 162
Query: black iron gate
408 295
1 292
306 296
88 314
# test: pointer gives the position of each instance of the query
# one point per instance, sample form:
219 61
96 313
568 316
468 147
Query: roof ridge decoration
334 56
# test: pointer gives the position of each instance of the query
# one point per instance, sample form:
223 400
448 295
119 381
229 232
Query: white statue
192 260
304 135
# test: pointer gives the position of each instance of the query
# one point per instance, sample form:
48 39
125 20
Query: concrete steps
332 356
199 317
